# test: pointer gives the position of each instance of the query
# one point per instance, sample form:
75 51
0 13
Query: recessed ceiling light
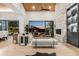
50 7
33 7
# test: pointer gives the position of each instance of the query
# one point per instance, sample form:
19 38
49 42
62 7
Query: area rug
43 54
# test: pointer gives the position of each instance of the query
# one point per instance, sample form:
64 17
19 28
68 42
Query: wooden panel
39 6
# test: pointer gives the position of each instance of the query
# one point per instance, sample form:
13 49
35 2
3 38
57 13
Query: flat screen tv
58 31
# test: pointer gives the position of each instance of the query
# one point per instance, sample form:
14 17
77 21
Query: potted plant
26 29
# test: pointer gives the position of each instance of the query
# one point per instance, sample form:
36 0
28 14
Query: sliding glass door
10 26
42 28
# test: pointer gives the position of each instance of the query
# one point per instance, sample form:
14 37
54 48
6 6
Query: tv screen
58 31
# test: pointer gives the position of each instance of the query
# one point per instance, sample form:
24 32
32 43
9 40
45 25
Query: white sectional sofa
44 42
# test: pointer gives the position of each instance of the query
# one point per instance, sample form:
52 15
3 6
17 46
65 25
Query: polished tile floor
7 48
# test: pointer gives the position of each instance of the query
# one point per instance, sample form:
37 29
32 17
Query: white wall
59 17
40 16
7 16
18 14
60 20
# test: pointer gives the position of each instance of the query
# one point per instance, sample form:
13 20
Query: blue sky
37 23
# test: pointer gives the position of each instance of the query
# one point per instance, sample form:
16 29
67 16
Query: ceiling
5 8
39 6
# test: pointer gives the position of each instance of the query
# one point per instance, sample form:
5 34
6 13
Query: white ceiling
5 8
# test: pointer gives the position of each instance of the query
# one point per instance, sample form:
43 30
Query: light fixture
50 7
33 7
6 10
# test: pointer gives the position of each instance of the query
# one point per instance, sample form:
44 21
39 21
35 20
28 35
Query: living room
18 36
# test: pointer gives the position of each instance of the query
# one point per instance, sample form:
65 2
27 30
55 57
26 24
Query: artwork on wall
73 25
72 19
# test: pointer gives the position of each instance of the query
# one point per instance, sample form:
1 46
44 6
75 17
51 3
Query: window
41 28
13 26
3 25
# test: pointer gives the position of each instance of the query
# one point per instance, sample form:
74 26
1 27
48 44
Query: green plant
27 28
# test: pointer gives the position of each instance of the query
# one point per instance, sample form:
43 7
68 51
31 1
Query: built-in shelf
73 24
